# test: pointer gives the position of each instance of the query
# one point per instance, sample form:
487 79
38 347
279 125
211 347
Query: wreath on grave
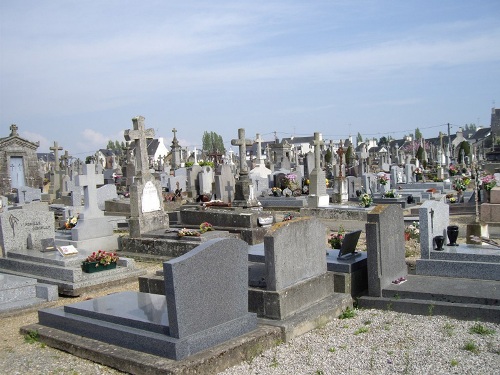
205 227
188 232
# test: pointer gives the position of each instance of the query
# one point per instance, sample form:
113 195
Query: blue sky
76 72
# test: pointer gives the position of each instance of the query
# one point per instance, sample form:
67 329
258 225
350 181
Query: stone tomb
17 293
462 261
293 289
390 288
23 234
146 199
201 308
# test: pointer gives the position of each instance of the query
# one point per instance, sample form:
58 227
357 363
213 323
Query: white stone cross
89 181
139 135
258 139
317 143
195 157
242 143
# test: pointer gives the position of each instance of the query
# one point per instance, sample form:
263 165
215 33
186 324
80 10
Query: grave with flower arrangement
27 238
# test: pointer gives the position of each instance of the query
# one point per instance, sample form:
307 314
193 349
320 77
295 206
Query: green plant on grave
453 363
481 330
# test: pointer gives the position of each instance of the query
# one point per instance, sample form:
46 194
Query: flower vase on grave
486 193
460 196
91 267
383 188
452 232
439 242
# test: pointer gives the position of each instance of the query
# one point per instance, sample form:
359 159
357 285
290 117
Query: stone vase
438 243
452 233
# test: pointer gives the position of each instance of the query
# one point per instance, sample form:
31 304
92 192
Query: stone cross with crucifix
139 135
243 143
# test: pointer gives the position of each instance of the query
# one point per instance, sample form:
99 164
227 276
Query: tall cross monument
317 186
146 200
243 195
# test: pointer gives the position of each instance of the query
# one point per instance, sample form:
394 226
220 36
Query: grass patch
449 329
471 346
361 330
367 322
348 313
31 337
453 363
481 330
332 350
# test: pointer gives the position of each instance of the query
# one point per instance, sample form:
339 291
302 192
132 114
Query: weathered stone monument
146 201
243 195
317 187
293 289
340 182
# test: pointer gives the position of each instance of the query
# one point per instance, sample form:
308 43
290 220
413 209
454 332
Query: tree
114 145
382 141
359 138
420 153
470 127
212 143
328 156
418 134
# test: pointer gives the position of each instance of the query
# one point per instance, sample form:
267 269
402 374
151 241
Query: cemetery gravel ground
373 341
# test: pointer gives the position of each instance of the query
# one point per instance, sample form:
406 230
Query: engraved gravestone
16 226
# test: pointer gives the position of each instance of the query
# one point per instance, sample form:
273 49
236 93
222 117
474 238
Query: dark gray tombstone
202 308
385 246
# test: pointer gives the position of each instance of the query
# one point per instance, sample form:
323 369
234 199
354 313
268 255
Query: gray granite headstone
200 299
28 194
385 246
224 183
17 225
105 193
295 251
175 182
434 217
193 186
206 178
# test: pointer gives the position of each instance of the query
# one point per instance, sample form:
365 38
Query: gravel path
373 341
384 342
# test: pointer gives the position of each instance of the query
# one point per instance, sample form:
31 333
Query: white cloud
35 137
